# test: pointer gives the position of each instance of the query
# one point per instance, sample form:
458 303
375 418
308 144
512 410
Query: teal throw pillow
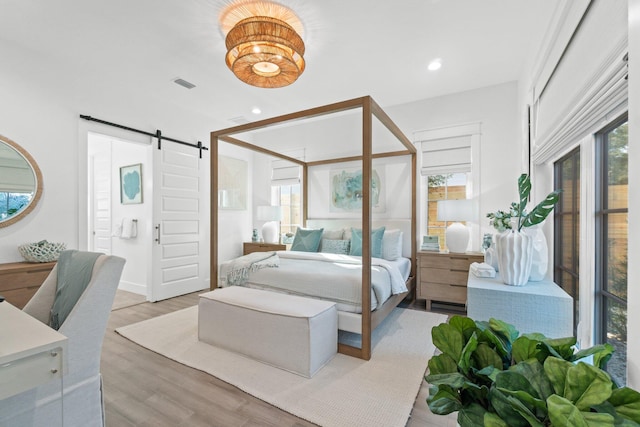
376 242
307 240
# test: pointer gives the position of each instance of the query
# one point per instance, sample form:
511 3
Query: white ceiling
135 48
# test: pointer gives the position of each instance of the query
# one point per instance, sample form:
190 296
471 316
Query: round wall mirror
20 182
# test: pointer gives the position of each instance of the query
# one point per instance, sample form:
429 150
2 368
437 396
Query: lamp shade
269 213
455 210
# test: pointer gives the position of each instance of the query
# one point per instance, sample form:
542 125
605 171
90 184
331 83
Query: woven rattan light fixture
263 49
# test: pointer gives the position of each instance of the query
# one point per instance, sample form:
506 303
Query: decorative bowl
41 251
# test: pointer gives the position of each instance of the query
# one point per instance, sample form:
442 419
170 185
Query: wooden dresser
443 276
248 247
20 280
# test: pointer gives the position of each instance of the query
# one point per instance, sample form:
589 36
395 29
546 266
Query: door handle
157 239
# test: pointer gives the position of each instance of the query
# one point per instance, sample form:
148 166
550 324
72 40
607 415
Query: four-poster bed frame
369 109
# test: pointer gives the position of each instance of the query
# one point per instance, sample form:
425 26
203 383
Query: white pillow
333 234
392 245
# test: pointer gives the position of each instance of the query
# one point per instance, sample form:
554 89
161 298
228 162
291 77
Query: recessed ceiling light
435 64
256 110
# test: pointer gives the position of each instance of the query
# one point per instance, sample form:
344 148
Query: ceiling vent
240 120
184 83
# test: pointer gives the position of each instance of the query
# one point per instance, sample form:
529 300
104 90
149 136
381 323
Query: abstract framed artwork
346 190
232 186
131 184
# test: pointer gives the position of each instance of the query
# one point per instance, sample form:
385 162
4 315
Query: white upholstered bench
293 333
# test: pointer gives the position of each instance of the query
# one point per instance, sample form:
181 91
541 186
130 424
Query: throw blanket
74 273
237 271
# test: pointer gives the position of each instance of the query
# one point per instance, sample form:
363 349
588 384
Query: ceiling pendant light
265 52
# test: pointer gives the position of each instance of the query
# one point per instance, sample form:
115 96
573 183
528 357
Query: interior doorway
118 224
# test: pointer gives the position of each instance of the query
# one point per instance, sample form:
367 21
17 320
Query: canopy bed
392 144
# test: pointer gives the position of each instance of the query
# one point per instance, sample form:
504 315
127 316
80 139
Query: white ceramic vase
540 253
514 257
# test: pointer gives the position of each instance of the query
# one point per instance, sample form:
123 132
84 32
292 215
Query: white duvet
330 277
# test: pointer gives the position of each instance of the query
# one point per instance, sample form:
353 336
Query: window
11 203
442 187
611 244
288 198
567 229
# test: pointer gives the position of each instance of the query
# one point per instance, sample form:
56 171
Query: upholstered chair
82 403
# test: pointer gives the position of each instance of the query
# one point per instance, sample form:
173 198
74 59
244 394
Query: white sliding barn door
178 210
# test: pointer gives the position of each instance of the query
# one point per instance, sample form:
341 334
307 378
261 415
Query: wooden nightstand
443 276
248 247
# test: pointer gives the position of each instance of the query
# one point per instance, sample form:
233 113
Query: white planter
515 250
540 253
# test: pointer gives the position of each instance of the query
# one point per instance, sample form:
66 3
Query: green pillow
376 242
307 240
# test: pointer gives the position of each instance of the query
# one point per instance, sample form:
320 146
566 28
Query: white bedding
331 277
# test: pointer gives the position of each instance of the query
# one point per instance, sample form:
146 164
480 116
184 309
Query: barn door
178 220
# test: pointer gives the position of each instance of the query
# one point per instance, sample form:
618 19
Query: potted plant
514 248
493 376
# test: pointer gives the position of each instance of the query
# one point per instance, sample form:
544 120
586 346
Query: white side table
31 353
535 307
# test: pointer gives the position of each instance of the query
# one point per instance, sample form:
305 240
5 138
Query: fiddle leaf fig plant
493 376
501 220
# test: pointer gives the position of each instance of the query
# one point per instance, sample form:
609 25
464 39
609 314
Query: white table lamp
271 214
457 234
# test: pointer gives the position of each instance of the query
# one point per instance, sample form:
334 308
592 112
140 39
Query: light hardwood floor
142 388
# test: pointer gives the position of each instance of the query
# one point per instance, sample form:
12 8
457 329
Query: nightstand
443 276
248 247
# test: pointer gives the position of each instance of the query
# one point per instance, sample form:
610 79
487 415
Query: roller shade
446 155
284 172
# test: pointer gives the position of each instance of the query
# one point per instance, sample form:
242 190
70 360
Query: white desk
31 353
535 307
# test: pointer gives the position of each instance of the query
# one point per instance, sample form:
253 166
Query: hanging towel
129 228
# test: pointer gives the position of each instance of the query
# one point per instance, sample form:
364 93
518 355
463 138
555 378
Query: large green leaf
515 381
563 413
542 209
448 340
524 189
464 324
454 380
504 408
442 364
471 416
627 403
507 330
526 413
465 358
525 398
556 370
533 371
443 400
564 347
524 348
485 356
497 341
598 420
601 354
493 420
587 385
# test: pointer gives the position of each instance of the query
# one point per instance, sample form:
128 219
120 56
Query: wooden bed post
367 129
305 194
213 280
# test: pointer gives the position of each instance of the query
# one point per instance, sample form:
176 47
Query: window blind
446 155
284 172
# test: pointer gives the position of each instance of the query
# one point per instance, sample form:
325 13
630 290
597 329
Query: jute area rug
346 392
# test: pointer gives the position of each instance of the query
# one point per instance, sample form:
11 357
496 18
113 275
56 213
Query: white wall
40 111
495 107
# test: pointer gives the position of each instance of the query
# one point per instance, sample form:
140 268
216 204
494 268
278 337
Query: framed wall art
232 186
131 184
